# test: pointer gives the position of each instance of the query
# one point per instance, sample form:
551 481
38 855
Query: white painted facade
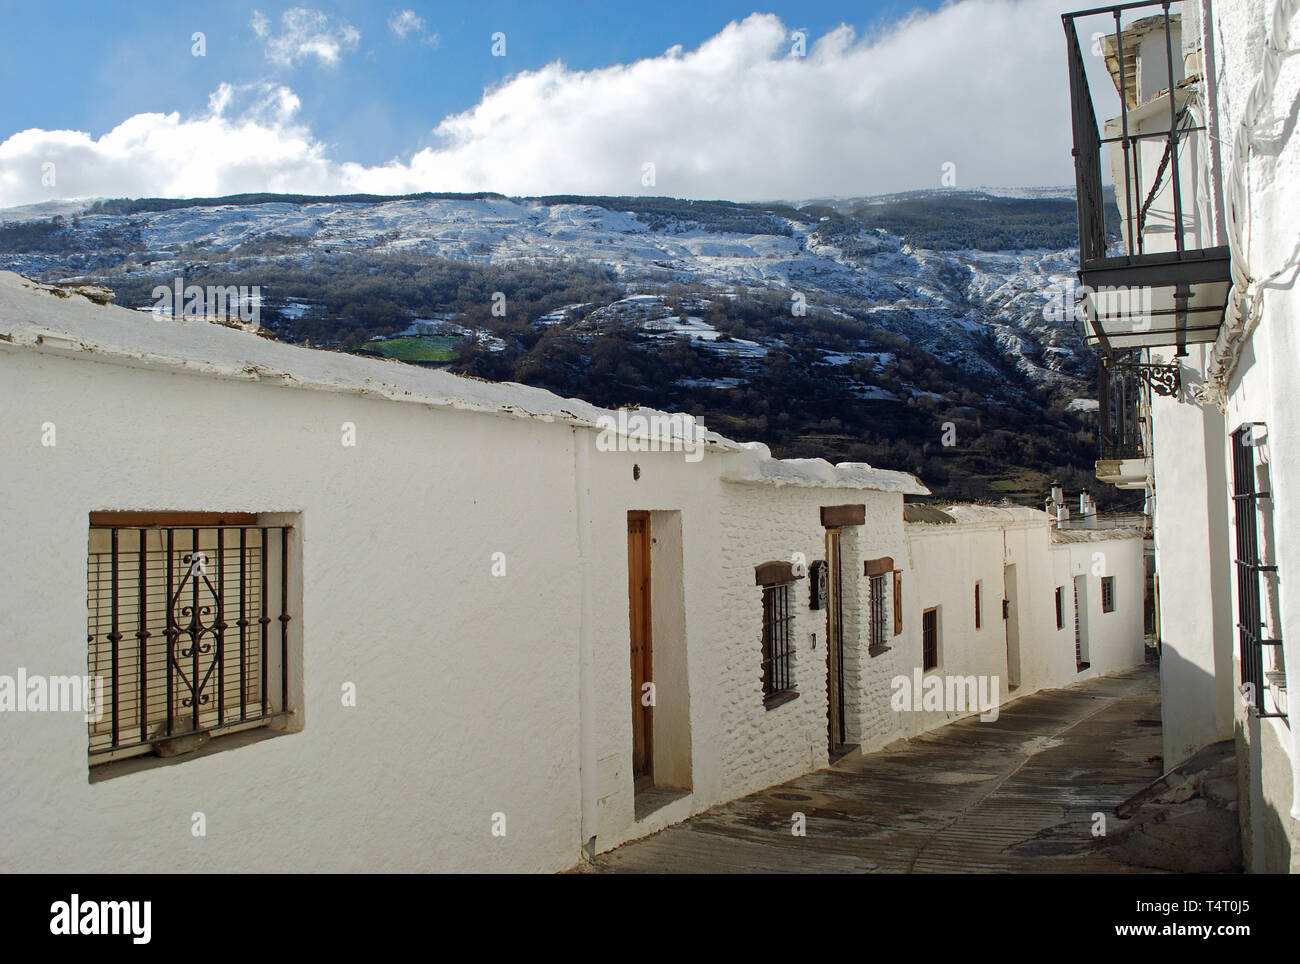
1244 178
482 699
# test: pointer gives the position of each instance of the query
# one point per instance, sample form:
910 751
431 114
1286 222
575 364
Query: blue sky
408 96
83 70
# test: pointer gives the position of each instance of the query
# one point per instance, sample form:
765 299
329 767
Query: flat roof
77 321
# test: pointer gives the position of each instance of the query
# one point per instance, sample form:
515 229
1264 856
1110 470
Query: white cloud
260 23
406 22
980 84
303 34
246 141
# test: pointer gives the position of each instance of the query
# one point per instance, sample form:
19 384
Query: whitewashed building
350 614
1194 314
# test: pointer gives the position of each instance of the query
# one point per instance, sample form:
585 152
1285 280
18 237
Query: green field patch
420 348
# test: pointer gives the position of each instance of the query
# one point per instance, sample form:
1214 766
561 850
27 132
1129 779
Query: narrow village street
1023 794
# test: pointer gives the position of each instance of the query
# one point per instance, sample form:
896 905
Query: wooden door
834 643
638 591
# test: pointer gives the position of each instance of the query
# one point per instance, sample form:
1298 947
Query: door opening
638 591
834 644
1012 614
1081 661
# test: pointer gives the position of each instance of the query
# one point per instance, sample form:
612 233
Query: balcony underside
1155 300
1124 473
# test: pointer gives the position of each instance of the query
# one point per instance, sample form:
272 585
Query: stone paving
1018 795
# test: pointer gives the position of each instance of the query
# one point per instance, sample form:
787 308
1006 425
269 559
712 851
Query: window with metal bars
1251 568
929 639
979 608
1081 661
1108 594
1060 607
778 623
879 615
187 626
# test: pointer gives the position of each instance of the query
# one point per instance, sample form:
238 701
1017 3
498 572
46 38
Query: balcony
1124 386
1162 284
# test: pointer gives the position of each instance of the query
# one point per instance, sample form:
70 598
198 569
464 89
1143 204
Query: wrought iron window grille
778 623
180 628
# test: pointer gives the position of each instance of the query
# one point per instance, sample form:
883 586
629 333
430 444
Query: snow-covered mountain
980 311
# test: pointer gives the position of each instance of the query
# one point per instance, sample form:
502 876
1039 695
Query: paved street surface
1015 795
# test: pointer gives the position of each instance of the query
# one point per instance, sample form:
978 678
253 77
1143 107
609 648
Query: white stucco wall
1192 556
1115 639
476 694
991 544
394 783
1264 385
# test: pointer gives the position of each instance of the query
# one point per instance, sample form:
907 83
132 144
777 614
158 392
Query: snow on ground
965 305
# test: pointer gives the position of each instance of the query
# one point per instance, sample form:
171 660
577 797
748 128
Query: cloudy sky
690 99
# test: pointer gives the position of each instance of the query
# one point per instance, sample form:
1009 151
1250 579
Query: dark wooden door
638 591
834 643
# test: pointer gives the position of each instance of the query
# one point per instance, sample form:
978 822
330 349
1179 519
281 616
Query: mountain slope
859 328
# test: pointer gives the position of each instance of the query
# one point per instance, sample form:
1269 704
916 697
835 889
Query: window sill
275 726
1080 667
779 699
877 650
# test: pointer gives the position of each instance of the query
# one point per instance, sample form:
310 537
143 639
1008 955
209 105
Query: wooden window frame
1107 594
898 602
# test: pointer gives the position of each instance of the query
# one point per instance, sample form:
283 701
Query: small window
778 680
1107 594
879 617
1080 640
1258 622
929 639
898 603
979 607
188 629
1060 607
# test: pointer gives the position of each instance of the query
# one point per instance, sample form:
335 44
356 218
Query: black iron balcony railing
1124 384
1165 288
1119 413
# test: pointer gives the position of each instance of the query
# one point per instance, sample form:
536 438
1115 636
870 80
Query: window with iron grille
1252 636
187 627
1079 662
778 680
979 609
929 639
879 615
1060 607
1108 594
